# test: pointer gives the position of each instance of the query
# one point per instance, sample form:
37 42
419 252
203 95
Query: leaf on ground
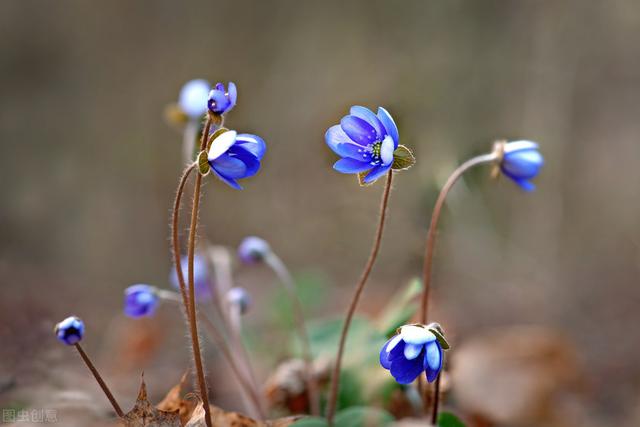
144 414
173 401
447 419
221 418
358 416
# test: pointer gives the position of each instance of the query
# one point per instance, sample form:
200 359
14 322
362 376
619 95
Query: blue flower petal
523 164
522 182
390 125
229 166
372 119
514 146
233 94
406 371
358 130
218 102
252 143
351 166
376 173
385 352
221 144
411 351
250 161
193 98
432 360
229 181
416 335
341 144
386 151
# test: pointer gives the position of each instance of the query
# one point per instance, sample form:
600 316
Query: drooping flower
365 141
253 250
202 278
415 349
70 331
521 162
233 156
140 300
238 296
222 100
193 98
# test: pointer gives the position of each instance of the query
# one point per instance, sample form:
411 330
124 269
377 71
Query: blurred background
89 168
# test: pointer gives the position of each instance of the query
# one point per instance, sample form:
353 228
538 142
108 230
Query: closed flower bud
253 250
521 162
239 297
222 100
70 331
140 300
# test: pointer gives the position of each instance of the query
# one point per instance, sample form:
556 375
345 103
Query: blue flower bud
233 156
253 250
240 297
140 300
202 279
70 331
193 98
521 162
365 141
412 351
222 100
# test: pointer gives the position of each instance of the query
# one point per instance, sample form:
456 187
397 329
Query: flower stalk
335 378
99 379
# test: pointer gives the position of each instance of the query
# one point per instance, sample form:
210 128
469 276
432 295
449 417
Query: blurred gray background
89 166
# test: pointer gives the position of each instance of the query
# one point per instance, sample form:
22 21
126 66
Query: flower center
371 153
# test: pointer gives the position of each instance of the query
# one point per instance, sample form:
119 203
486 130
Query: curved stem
195 340
175 240
276 264
99 379
430 245
335 378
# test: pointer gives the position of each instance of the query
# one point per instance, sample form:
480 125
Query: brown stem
101 382
431 241
436 400
193 326
283 274
175 240
335 378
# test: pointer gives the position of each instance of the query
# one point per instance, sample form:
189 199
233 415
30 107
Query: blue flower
413 351
202 281
222 100
253 250
239 297
234 156
193 98
70 331
365 142
521 162
140 300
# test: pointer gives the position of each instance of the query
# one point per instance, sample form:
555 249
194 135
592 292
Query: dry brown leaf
173 401
221 418
144 414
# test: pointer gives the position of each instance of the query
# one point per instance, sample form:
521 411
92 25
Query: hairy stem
193 326
430 246
436 400
99 379
175 239
283 274
335 378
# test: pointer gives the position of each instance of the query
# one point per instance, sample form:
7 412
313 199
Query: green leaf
203 163
361 416
447 419
403 158
441 339
400 309
214 135
311 422
361 176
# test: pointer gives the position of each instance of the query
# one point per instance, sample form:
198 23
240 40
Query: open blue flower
235 156
70 331
193 98
140 300
521 162
222 100
365 141
413 351
202 279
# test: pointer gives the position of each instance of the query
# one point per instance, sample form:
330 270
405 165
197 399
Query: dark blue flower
234 156
193 98
202 279
70 331
413 351
253 250
239 297
365 142
140 300
521 162
222 100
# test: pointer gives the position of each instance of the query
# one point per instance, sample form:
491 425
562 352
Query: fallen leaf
144 414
